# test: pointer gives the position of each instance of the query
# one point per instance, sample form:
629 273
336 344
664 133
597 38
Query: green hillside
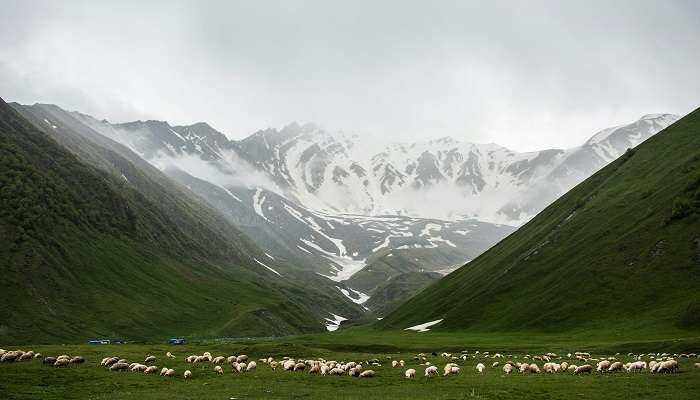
83 254
619 253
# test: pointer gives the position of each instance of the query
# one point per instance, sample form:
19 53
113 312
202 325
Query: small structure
99 341
177 341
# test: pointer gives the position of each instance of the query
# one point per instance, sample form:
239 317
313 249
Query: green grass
34 380
618 254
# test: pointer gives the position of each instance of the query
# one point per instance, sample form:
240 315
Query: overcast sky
527 75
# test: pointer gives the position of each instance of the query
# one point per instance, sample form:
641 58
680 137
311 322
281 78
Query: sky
527 75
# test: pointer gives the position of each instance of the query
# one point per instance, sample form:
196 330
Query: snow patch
271 269
334 324
423 327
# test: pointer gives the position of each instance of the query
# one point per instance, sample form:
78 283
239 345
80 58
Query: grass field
31 379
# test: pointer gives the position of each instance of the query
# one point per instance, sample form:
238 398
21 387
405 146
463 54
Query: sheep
586 368
150 359
300 366
273 365
170 355
241 367
336 371
353 372
367 374
454 370
150 370
230 359
431 370
697 365
163 371
665 366
9 356
402 363
494 365
448 368
410 373
564 366
170 373
572 367
523 367
111 361
219 360
315 369
49 360
325 369
636 366
187 374
289 365
218 370
26 356
616 366
603 366
508 368
77 360
61 362
394 364
251 366
191 359
139 368
242 358
480 367
118 366
533 369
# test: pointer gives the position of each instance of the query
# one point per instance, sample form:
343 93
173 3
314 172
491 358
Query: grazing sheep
564 366
61 362
431 370
9 356
367 374
289 365
508 368
410 373
242 358
219 370
480 367
616 366
315 369
635 366
77 360
139 368
665 367
49 360
219 360
494 365
251 366
118 366
26 356
448 368
273 365
533 369
150 370
325 369
187 374
572 367
586 368
169 355
150 359
394 364
163 371
603 366
170 372
336 371
231 359
241 367
300 366
353 372
191 359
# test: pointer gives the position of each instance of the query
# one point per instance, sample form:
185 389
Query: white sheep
186 375
219 360
367 374
273 365
150 359
241 367
169 355
616 366
603 366
242 358
170 372
508 368
219 370
289 365
480 367
163 371
431 370
394 364
410 373
325 369
251 366
533 369
150 370
337 371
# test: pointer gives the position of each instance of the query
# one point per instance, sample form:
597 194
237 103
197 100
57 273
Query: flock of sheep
550 362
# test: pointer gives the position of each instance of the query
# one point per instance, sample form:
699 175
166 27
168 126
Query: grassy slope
192 214
618 253
82 255
33 380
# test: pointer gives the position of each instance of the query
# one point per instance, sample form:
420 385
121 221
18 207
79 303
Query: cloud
527 75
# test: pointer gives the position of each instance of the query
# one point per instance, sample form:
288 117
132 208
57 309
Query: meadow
33 380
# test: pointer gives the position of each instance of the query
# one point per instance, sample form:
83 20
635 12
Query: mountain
618 254
97 244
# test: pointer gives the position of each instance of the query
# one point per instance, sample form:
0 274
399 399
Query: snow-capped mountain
333 204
